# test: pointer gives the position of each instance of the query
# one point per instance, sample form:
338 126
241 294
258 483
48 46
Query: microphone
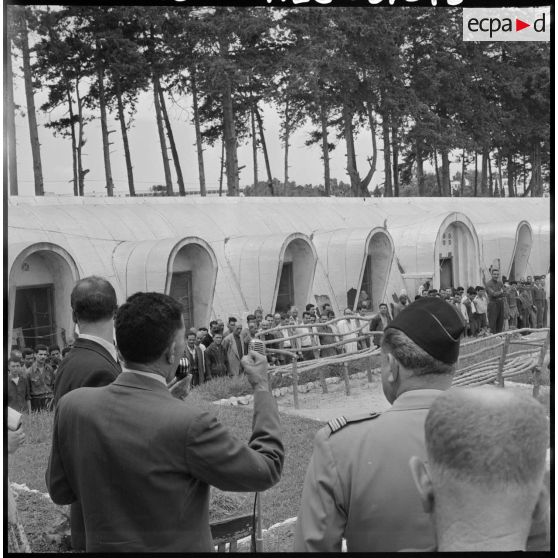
257 345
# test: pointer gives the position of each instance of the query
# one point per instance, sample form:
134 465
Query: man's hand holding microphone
255 366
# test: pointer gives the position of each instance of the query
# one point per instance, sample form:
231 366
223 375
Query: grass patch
38 514
223 387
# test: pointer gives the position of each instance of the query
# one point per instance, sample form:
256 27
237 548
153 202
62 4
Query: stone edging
280 392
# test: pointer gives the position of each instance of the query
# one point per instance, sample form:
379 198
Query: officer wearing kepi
358 484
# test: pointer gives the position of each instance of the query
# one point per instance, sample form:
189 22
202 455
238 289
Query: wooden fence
484 360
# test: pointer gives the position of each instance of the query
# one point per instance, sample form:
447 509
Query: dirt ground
320 406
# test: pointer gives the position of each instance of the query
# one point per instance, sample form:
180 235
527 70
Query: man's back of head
486 452
93 299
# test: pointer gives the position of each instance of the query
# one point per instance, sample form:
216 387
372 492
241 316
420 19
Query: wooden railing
484 360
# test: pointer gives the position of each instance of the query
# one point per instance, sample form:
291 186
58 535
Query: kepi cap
434 325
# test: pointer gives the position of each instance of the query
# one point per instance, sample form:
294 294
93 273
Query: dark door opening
446 273
181 290
285 294
34 317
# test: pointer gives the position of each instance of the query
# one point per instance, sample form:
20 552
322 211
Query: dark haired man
41 380
231 325
484 482
28 355
358 485
92 362
19 397
195 359
495 309
216 358
380 322
54 357
141 461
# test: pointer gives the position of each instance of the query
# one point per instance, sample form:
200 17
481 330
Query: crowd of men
498 305
442 469
31 375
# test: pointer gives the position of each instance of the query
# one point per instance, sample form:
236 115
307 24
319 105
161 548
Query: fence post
295 382
346 378
322 380
259 531
538 369
500 376
369 369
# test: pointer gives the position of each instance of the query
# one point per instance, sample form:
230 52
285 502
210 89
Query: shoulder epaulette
338 423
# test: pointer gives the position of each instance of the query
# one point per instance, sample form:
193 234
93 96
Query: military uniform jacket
140 462
359 486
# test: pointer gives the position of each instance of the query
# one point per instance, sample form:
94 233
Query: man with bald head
483 482
358 484
92 362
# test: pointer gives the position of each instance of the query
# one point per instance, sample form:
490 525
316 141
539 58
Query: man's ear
170 352
394 371
420 474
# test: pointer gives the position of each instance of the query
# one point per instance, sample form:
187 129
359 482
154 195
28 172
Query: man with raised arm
142 461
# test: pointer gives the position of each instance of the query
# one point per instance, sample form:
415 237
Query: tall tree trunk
31 114
484 172
199 144
388 190
9 111
80 143
395 150
264 148
535 184
372 124
74 140
420 168
124 131
287 139
500 175
351 155
254 147
446 179
511 177
174 151
437 170
231 160
490 181
476 174
325 149
222 166
524 170
463 169
163 142
104 129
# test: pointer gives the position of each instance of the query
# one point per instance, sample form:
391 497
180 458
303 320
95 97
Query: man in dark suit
379 322
141 461
195 359
92 361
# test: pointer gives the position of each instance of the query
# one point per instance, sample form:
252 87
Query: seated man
483 481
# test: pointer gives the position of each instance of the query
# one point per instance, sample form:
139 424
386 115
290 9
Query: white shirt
157 377
103 342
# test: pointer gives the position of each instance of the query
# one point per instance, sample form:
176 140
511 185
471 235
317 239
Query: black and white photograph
278 276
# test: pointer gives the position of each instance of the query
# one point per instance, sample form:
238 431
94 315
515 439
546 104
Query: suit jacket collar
99 349
138 381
